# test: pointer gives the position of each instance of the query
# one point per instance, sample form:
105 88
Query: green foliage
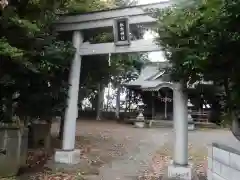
126 67
201 42
35 60
7 50
83 6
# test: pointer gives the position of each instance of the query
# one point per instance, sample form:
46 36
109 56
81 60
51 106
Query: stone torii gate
119 20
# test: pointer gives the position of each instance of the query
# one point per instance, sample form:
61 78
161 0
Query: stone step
169 124
162 124
195 177
166 178
206 125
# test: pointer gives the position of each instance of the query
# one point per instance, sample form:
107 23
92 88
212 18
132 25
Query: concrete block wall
223 163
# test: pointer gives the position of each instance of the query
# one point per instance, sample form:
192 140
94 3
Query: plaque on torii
121 32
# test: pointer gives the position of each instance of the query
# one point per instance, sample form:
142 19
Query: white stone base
67 157
180 172
139 124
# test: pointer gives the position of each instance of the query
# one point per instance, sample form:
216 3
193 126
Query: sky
153 56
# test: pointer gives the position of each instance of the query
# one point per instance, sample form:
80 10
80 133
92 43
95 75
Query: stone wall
223 162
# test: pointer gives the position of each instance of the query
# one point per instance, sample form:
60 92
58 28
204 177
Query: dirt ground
116 151
119 151
112 151
198 144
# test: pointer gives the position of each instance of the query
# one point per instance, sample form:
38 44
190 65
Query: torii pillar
68 154
180 167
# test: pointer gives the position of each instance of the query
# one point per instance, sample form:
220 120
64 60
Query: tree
200 41
120 3
35 60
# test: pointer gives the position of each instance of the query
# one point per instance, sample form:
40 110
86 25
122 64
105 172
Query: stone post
68 155
180 115
180 167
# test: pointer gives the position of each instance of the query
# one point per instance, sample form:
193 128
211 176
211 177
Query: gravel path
138 157
134 149
198 143
140 145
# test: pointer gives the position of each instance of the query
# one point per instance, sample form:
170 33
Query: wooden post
153 106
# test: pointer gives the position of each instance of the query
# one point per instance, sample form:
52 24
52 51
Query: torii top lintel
105 18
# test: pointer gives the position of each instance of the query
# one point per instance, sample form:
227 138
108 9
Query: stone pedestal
140 124
67 157
191 126
180 172
140 121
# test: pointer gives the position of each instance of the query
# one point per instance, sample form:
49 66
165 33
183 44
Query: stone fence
224 162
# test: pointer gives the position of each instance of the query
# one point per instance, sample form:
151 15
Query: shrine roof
152 75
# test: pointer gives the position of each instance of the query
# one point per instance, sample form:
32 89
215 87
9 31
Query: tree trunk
61 128
100 101
108 97
118 103
215 112
228 95
129 101
9 110
230 110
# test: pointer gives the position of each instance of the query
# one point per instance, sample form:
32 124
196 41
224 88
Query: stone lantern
140 120
191 124
3 3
